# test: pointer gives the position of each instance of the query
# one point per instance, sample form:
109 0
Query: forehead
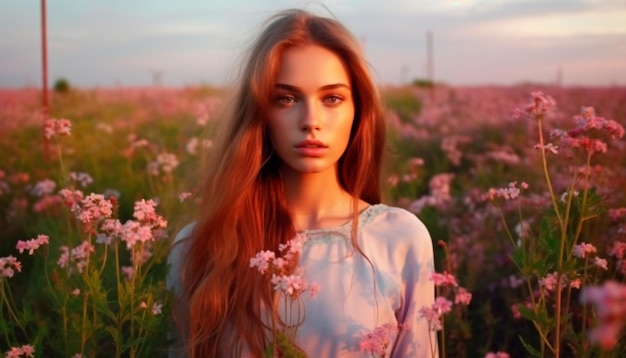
311 65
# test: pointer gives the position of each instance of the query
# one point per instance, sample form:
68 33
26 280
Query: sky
110 43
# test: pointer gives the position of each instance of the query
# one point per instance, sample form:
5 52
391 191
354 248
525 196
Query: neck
317 200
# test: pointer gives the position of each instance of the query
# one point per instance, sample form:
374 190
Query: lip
311 143
311 148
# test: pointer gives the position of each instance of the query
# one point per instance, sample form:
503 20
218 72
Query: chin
310 169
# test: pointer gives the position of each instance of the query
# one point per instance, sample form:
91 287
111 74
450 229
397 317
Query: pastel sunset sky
188 42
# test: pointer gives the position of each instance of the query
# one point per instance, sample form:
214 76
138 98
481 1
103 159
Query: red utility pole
44 74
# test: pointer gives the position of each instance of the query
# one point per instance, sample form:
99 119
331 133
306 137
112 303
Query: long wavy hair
243 208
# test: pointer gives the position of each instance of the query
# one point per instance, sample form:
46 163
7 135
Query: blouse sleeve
415 338
174 283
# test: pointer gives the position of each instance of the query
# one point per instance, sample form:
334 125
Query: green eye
333 99
286 99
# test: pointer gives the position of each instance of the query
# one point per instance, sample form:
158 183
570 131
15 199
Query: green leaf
530 349
527 312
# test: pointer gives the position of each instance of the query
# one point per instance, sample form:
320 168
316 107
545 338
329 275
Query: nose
310 118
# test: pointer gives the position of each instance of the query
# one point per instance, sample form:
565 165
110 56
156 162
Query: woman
302 155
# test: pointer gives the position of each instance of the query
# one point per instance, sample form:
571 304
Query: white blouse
357 295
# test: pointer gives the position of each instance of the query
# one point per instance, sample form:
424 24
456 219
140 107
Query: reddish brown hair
243 208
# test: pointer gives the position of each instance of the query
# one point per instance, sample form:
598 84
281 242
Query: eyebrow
323 88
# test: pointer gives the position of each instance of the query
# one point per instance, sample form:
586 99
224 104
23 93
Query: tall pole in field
44 74
430 66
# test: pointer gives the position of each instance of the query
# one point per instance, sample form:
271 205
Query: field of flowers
523 192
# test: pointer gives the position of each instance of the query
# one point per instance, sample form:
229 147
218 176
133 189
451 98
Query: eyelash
332 99
285 99
335 99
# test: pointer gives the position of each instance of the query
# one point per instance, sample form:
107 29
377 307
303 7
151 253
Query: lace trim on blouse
344 231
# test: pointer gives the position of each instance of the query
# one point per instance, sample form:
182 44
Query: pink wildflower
609 301
550 281
538 107
192 145
583 249
165 162
291 285
83 179
139 257
17 352
443 279
565 195
515 311
145 212
43 187
293 247
601 263
463 296
28 350
433 316
46 203
89 209
262 260
8 266
508 193
109 230
94 208
590 132
548 148
184 196
71 198
497 355
77 256
32 244
618 250
284 281
156 308
57 127
64 258
128 272
616 214
442 304
133 232
378 341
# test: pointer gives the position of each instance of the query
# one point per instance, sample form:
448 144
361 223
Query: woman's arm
415 338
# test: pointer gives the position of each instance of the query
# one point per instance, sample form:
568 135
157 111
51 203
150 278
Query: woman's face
312 109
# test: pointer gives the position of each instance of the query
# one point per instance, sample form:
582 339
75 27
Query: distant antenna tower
559 77
156 77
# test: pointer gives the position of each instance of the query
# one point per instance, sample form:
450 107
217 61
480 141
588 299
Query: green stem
443 336
104 260
10 303
584 318
562 225
120 313
132 301
583 206
83 333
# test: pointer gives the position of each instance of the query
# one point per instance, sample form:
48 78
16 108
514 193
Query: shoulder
396 229
177 256
184 233
181 241
394 220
